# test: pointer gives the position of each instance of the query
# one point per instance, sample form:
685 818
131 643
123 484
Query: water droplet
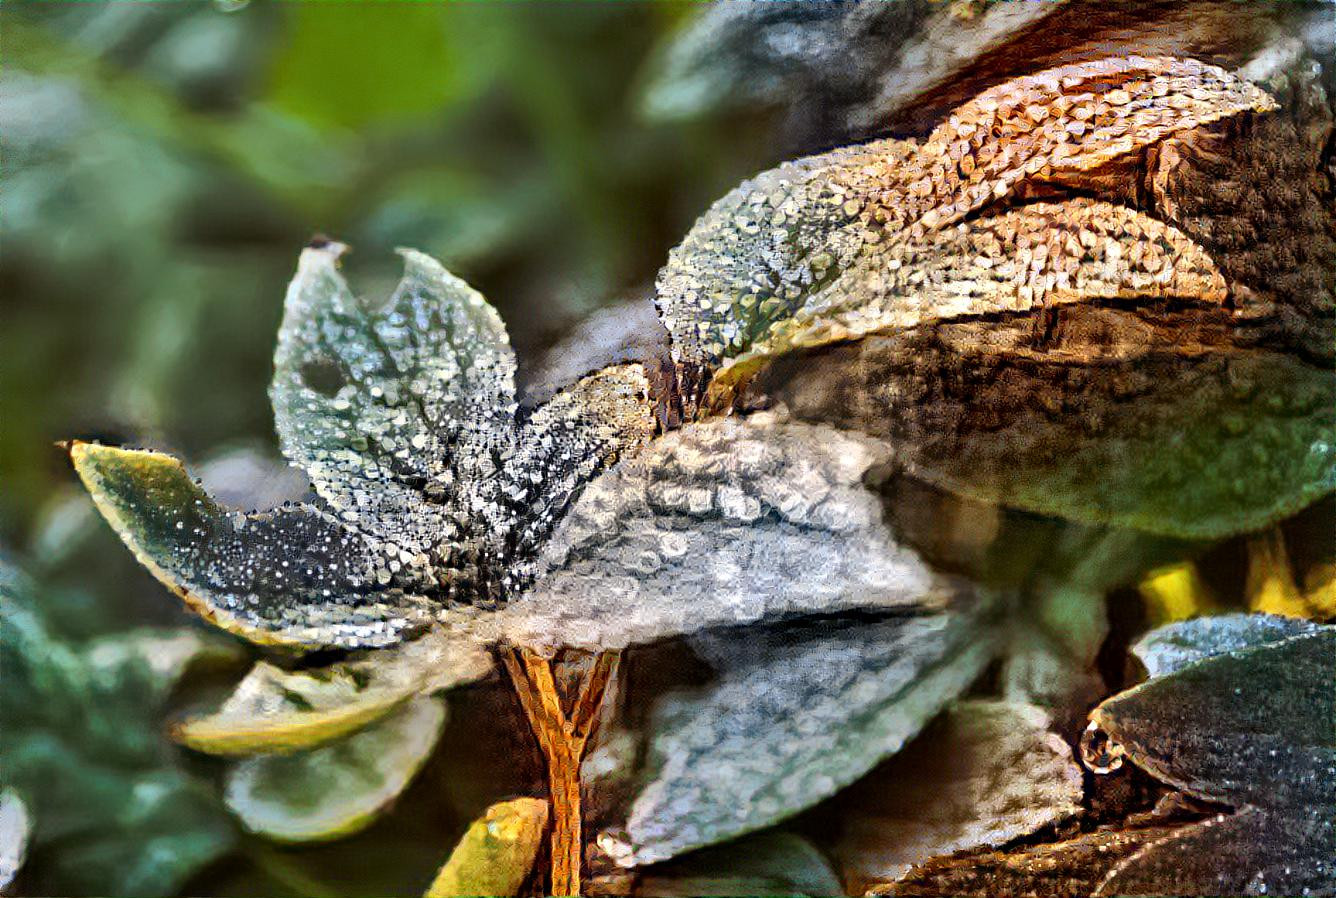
1099 753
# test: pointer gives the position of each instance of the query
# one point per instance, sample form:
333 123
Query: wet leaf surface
339 788
1251 724
796 714
723 523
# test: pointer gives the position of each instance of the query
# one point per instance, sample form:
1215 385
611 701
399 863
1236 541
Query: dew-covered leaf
1252 727
721 523
496 853
986 773
1110 424
290 576
83 746
798 713
339 788
403 413
774 245
1039 256
769 863
1173 647
273 710
15 830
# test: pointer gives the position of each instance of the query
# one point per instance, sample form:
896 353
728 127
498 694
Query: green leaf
277 711
83 748
721 523
290 576
337 789
1252 727
796 714
769 863
496 854
1173 647
404 417
986 773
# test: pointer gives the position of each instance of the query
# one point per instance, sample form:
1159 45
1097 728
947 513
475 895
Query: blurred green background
163 164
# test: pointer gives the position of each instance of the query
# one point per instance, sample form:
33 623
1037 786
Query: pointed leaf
721 523
497 853
804 713
1252 727
397 413
1171 648
289 576
1039 256
276 711
338 789
760 254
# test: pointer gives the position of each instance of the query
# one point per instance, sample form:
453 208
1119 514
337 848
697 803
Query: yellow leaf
496 853
1175 593
1271 588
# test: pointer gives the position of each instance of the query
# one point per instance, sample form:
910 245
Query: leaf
988 773
289 576
721 523
762 253
496 854
337 789
796 716
769 863
1171 648
276 711
404 417
82 746
1128 422
1042 255
1253 727
15 830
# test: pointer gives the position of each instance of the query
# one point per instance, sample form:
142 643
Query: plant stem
562 739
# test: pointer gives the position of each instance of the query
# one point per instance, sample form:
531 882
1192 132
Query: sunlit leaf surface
769 249
337 789
1244 717
15 831
796 714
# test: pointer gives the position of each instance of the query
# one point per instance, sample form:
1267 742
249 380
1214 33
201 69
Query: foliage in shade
1244 716
110 810
986 773
339 788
